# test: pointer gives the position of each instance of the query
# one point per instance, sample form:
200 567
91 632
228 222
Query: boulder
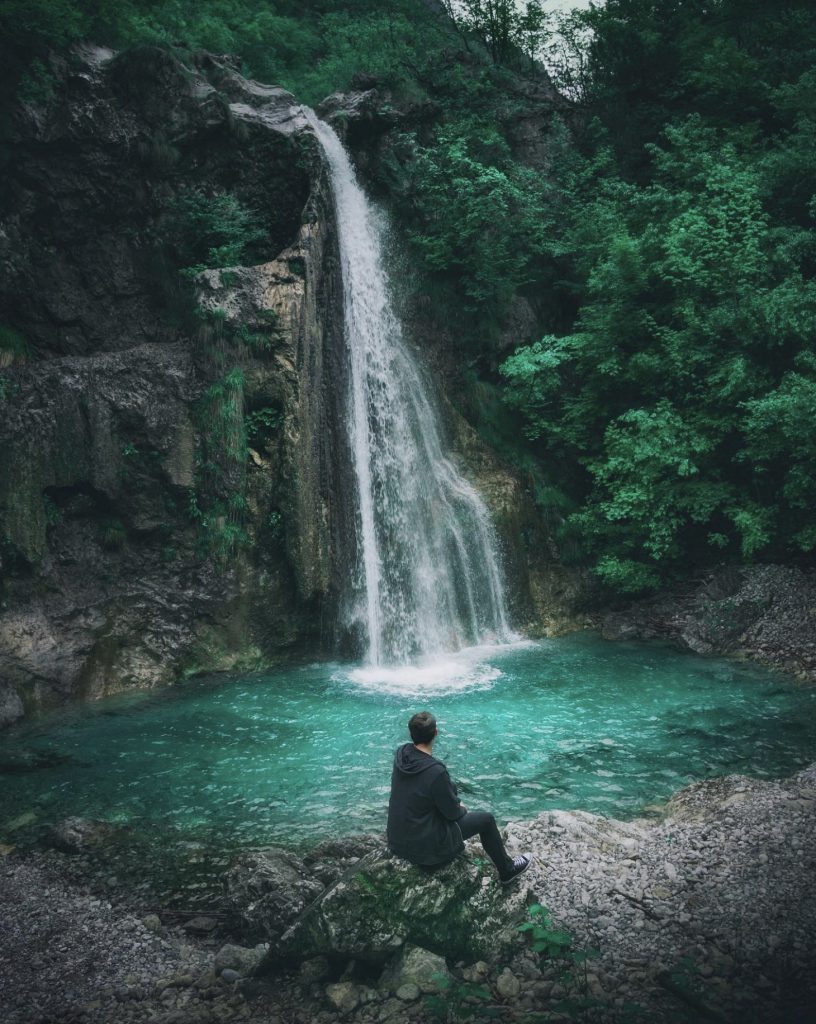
383 902
343 996
414 965
267 890
507 985
237 958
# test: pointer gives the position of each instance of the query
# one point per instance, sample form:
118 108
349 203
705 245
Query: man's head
422 727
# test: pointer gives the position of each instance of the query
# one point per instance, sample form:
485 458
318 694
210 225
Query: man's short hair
422 727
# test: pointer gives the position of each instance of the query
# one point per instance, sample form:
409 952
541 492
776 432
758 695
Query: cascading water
429 579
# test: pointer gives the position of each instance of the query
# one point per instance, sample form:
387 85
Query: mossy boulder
383 902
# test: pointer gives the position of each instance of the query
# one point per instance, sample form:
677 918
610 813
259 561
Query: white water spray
429 578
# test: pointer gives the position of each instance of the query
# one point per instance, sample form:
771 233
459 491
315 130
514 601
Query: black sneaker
520 864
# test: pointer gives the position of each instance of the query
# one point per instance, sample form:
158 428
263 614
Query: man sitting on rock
427 823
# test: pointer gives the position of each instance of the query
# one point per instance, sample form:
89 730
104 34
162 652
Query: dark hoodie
423 809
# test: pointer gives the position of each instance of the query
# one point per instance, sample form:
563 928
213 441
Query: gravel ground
708 914
714 907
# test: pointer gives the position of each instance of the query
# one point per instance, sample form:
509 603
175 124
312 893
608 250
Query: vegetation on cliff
666 244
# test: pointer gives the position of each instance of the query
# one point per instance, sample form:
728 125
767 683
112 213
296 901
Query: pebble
507 984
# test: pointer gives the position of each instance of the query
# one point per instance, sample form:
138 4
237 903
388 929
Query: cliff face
167 464
174 486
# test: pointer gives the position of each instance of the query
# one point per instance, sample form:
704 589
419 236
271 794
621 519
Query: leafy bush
212 230
481 219
682 390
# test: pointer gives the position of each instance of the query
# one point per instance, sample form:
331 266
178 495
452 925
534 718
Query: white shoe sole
512 878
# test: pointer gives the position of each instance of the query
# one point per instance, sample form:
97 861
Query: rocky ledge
706 914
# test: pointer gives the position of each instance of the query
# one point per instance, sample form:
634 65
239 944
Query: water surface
294 755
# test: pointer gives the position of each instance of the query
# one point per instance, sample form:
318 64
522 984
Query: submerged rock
73 835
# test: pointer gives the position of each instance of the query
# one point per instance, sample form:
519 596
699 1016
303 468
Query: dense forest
664 417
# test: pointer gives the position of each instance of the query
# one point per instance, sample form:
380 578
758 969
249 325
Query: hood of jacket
412 761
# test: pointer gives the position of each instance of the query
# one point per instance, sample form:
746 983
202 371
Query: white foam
471 668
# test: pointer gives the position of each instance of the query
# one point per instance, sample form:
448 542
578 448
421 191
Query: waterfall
429 578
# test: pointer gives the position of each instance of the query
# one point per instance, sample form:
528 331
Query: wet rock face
91 174
107 577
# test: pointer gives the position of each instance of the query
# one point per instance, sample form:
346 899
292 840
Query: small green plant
254 340
114 534
13 346
129 450
212 230
36 83
454 999
557 944
262 422
546 939
53 514
158 153
275 523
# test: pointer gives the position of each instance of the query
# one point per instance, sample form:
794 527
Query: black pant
484 823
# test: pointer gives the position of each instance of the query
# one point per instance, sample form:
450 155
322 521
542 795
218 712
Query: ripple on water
294 754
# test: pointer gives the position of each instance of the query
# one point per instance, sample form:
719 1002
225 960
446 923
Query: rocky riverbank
763 612
707 913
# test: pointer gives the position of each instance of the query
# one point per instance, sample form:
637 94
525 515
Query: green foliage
552 942
113 534
312 50
508 30
684 388
557 945
482 220
258 341
36 83
219 507
274 522
210 231
453 999
668 249
260 423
